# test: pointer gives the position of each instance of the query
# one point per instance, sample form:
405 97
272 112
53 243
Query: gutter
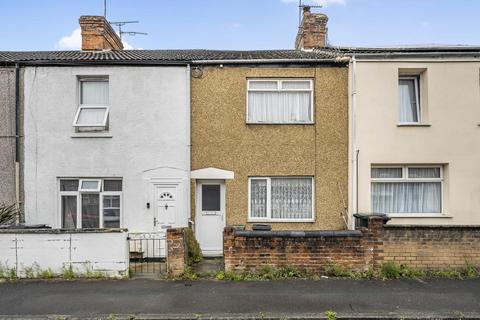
97 62
380 55
337 60
266 61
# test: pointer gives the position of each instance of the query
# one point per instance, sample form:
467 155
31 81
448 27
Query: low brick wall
421 247
431 247
250 250
176 251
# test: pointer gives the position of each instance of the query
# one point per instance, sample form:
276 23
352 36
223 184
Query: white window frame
82 106
111 193
79 193
406 179
102 124
99 183
279 89
268 218
68 193
417 83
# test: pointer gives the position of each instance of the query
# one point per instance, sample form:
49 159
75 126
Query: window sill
414 125
281 123
92 135
283 221
420 215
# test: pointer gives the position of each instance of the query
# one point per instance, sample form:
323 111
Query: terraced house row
299 140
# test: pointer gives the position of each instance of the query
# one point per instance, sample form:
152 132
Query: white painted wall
103 252
451 106
149 127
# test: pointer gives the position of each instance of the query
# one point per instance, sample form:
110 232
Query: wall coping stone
298 234
61 231
420 226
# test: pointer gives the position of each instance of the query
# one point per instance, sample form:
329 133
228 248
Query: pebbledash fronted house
270 140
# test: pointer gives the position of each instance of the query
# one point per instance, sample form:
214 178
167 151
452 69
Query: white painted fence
39 253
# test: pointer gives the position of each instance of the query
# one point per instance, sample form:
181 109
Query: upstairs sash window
280 101
93 106
409 91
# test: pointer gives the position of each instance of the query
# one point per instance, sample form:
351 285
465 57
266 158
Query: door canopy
212 173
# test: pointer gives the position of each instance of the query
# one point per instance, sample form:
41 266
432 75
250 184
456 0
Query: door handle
155 222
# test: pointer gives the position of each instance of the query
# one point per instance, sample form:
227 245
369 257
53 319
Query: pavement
288 299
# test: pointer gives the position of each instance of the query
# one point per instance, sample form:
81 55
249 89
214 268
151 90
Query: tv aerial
120 24
121 32
301 6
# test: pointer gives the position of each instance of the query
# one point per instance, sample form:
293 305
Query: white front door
165 207
210 216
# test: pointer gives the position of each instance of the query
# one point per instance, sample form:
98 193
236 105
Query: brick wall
421 247
431 247
312 250
176 251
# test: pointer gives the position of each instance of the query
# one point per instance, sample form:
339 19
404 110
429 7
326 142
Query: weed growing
331 315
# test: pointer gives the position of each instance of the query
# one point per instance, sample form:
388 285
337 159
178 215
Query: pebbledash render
9 137
270 143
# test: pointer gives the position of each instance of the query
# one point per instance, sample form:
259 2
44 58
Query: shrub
68 273
46 274
9 214
470 270
188 274
333 270
193 248
392 270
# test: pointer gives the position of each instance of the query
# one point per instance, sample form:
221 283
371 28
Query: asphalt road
441 297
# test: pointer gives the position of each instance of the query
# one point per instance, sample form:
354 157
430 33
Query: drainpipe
189 147
355 150
17 137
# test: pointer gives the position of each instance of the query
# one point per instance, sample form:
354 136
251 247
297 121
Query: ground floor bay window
406 189
90 203
281 199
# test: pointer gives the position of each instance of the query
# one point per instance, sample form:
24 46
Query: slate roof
158 56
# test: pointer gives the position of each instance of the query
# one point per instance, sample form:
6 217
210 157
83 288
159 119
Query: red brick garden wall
247 250
176 251
421 247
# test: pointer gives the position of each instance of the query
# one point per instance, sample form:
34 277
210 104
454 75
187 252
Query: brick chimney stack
98 34
313 31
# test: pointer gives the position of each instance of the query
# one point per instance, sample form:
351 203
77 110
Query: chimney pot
98 34
312 32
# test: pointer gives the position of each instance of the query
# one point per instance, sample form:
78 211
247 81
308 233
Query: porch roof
212 173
